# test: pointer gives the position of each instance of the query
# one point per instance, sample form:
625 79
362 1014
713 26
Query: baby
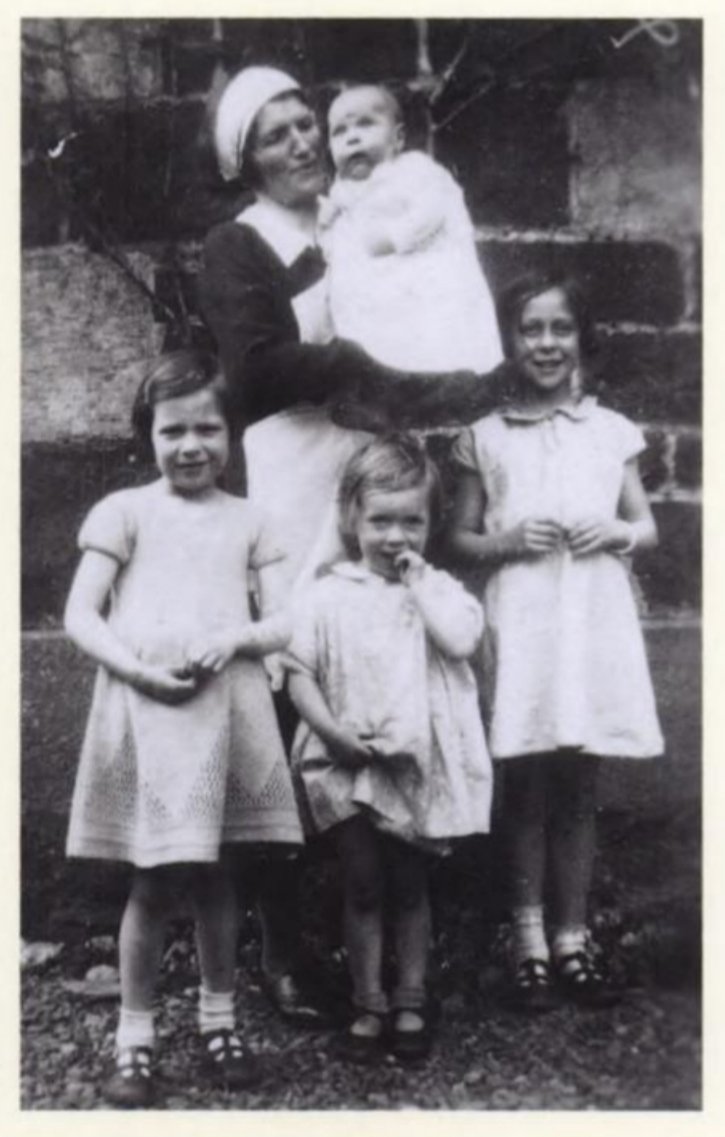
404 279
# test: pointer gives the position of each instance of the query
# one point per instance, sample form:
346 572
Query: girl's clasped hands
541 535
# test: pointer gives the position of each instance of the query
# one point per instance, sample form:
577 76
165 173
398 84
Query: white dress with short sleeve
363 640
564 656
160 784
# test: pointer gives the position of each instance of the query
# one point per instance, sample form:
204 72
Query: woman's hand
166 685
535 536
410 566
597 534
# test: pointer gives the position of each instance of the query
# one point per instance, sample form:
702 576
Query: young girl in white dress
182 757
391 750
551 503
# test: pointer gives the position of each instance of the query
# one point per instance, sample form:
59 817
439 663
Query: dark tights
551 816
372 862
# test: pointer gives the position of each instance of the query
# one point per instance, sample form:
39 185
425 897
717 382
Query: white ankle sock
568 940
135 1028
216 1010
529 935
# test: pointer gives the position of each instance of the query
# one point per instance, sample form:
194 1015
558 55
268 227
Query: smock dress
362 638
425 304
161 784
564 656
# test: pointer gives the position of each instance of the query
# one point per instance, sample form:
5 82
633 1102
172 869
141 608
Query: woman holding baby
308 382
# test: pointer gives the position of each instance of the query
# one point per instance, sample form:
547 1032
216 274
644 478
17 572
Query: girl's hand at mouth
410 566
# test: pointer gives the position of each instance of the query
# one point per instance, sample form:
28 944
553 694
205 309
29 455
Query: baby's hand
167 685
596 534
410 566
377 242
327 212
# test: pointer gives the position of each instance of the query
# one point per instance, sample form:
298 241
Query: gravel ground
641 1055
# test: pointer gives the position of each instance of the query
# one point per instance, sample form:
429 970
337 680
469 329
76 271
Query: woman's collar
576 411
287 232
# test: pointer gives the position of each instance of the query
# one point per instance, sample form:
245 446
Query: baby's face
364 131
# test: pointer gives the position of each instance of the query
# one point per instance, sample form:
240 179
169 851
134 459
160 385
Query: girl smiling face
389 523
546 346
190 439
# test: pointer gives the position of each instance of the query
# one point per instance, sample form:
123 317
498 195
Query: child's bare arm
466 539
253 638
633 529
635 508
86 625
272 631
307 697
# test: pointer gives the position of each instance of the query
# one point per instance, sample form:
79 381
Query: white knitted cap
241 101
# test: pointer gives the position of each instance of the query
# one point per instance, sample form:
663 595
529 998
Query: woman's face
287 152
546 342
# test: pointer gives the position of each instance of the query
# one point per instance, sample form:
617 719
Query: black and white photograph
361 524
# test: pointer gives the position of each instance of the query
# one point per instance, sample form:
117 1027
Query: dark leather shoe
413 1045
131 1085
226 1062
363 1049
294 1005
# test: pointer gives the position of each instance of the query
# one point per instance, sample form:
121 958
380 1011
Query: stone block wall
576 142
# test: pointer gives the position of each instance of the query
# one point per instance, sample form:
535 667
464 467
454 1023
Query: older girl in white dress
551 503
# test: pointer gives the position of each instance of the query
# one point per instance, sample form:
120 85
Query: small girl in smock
551 503
390 751
182 757
404 279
